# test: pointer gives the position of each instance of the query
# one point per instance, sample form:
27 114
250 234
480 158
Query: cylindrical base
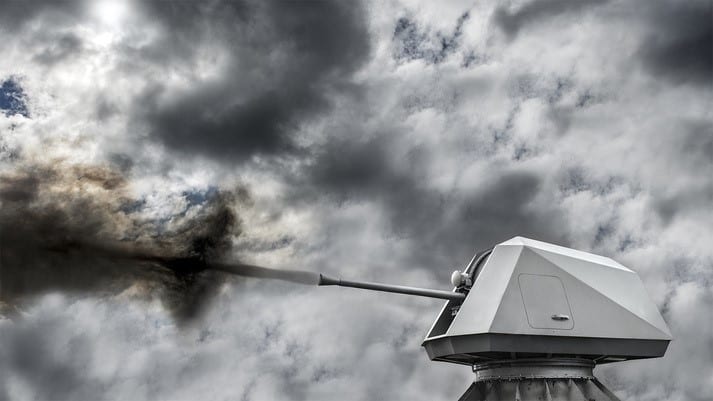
562 379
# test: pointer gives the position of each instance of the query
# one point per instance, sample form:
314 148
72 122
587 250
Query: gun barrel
400 289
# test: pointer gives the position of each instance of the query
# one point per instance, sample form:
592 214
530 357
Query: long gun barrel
400 289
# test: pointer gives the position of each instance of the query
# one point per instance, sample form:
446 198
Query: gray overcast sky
377 140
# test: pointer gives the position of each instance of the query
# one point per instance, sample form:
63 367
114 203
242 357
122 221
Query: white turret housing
531 299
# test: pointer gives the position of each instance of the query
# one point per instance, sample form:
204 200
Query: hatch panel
545 302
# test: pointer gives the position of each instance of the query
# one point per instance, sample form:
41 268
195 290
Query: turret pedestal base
560 379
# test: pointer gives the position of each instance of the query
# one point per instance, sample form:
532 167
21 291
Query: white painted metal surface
554 300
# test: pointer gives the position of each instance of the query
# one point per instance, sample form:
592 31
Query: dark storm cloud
679 45
58 49
354 168
690 144
15 13
536 11
434 221
31 359
413 42
42 27
284 59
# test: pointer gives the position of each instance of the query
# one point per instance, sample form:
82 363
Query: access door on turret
545 300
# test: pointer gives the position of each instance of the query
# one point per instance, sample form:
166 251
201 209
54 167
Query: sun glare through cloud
111 12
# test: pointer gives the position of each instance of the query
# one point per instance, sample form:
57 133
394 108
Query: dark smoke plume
68 228
293 276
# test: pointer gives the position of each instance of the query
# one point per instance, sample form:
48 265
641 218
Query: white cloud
561 121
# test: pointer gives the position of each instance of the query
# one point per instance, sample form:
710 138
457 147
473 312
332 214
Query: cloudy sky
384 141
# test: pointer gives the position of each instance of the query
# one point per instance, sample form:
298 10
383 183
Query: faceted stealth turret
534 299
533 319
537 319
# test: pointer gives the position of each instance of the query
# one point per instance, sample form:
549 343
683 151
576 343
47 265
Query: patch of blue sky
198 197
12 98
193 198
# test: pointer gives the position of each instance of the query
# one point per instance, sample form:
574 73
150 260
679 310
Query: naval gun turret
533 319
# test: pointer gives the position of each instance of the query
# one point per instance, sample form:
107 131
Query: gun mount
533 319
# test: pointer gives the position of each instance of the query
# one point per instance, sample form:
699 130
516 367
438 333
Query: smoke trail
294 276
76 229
194 264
